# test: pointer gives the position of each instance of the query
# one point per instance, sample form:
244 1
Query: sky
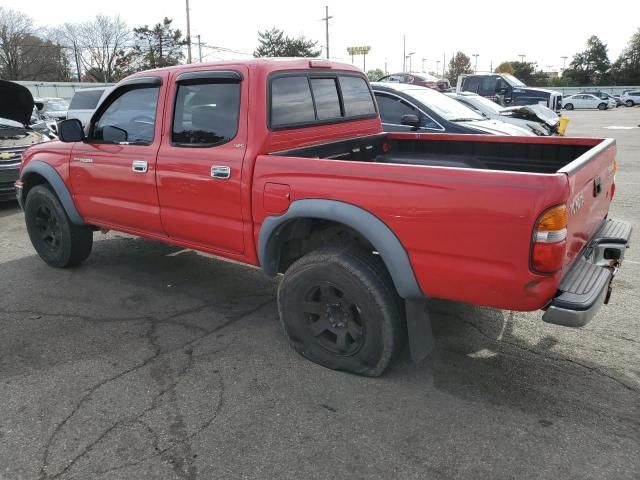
543 30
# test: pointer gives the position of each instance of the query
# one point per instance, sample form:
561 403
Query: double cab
283 164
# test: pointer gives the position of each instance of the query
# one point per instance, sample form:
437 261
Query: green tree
626 69
155 47
274 43
591 66
375 74
459 64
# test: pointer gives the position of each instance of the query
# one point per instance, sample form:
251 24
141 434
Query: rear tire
602 106
629 103
568 106
57 240
339 309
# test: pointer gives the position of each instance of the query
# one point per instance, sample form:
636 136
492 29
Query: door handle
220 172
140 166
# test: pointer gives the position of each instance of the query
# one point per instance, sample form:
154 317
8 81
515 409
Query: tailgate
591 187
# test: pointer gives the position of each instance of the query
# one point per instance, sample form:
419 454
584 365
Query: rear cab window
309 98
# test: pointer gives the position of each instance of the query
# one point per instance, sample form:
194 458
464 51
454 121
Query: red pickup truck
283 164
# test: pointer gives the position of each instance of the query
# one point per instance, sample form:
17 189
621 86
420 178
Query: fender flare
57 183
366 224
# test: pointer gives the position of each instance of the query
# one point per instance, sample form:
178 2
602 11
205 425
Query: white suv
631 98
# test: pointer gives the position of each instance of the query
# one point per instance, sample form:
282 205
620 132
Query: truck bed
456 151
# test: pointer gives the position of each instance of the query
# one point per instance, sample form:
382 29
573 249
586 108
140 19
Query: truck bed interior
441 152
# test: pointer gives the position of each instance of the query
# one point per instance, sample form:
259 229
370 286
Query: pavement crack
552 357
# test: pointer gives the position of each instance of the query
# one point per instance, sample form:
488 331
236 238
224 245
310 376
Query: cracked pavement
149 361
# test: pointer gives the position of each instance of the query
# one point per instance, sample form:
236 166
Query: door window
129 117
470 84
206 113
392 109
488 85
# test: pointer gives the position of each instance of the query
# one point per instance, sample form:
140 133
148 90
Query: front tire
568 106
57 240
339 309
629 103
602 106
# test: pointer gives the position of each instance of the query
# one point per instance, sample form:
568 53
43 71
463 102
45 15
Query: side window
85 100
356 96
325 93
130 117
206 113
488 85
392 109
471 84
291 101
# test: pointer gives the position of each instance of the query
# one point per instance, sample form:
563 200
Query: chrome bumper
587 285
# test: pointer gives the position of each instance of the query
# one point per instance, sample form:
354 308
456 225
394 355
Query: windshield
484 104
513 81
446 107
56 107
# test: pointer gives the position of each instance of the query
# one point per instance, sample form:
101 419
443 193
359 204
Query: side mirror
113 134
70 131
410 120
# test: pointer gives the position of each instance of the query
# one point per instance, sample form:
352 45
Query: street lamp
564 62
409 55
423 60
475 68
438 69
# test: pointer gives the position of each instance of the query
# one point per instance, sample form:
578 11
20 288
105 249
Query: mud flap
419 331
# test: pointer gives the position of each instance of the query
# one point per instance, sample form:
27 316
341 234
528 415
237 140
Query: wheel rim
334 319
48 226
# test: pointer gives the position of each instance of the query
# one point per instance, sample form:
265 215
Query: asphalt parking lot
153 362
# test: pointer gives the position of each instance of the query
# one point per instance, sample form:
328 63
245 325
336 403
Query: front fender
366 224
57 183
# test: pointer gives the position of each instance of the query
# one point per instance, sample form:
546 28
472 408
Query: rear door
200 161
113 172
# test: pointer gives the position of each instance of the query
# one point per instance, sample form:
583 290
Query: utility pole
423 60
326 20
75 52
199 49
385 66
188 34
438 68
475 68
404 53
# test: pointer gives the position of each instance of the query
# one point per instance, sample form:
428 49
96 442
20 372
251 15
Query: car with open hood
411 108
537 118
16 134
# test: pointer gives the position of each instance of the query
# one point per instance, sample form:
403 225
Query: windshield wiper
463 119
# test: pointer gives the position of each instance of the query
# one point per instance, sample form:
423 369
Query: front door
200 161
113 171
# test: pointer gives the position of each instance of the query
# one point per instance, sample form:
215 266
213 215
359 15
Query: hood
494 127
533 113
545 91
17 102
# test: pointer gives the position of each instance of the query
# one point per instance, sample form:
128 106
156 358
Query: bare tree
98 45
26 54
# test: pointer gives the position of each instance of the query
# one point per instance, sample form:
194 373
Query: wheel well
303 235
31 180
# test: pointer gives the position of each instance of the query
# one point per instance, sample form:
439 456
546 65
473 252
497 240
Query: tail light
613 182
549 242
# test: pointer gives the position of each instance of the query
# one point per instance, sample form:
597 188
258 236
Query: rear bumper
587 285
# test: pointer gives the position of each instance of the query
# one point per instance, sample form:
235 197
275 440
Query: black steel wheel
57 240
339 308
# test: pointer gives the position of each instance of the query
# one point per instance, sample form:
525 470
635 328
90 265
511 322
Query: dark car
405 108
421 79
508 91
15 134
604 96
